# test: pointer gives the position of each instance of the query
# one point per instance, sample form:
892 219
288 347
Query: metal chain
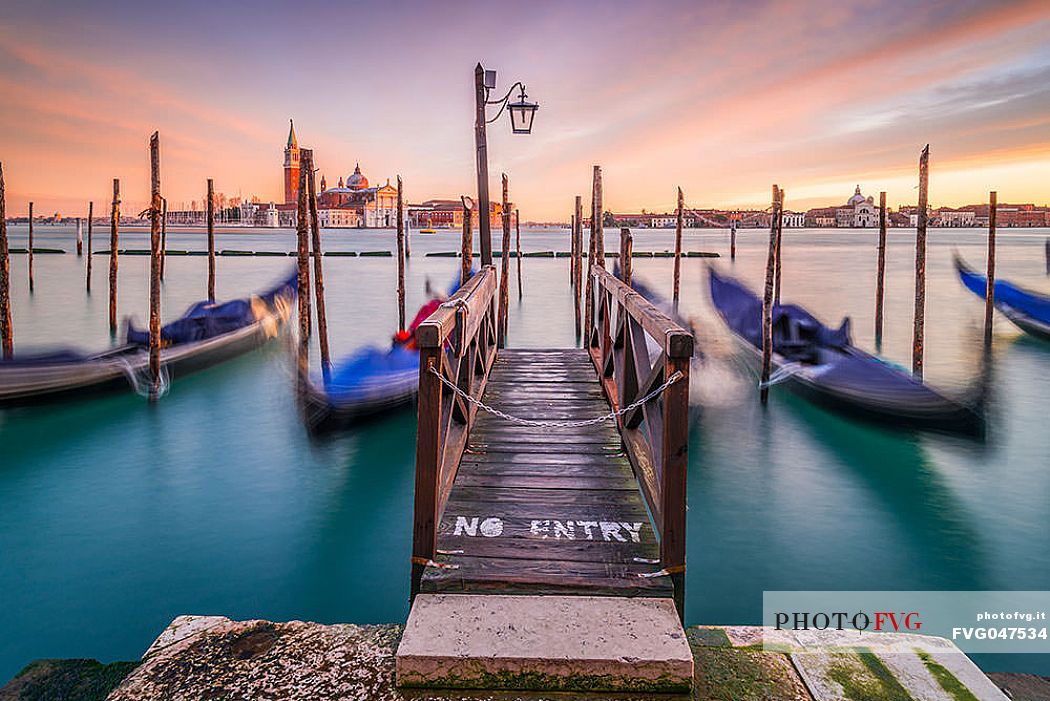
558 424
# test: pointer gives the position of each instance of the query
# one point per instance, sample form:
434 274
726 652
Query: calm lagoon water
116 516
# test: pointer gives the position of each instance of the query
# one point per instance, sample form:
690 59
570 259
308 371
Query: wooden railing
459 341
655 434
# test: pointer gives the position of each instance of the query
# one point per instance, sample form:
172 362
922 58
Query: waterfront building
448 214
822 217
948 217
859 212
794 220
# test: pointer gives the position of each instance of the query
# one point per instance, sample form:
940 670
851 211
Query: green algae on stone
872 682
69 680
708 637
955 688
731 674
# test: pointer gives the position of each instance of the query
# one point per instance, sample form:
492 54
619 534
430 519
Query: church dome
856 199
357 181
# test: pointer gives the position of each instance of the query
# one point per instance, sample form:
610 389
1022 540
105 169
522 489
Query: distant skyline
721 98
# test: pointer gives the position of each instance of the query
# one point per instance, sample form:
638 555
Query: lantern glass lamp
521 114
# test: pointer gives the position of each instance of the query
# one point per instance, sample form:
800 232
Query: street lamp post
521 115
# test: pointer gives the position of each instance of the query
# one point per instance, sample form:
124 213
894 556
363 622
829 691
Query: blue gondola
208 333
1030 311
822 365
369 383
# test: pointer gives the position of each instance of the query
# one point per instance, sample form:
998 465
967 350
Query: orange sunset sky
722 98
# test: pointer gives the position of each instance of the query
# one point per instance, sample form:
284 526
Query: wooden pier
549 544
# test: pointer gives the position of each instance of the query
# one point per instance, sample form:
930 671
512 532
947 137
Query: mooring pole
466 247
400 261
626 253
1047 255
114 236
302 237
779 223
679 221
307 158
989 290
163 235
572 250
517 246
880 274
577 261
732 241
920 265
767 303
30 249
597 227
211 240
504 292
481 147
80 238
6 331
91 216
588 294
154 267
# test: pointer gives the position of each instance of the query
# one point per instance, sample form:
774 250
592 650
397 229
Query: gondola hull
1029 311
841 377
41 380
369 384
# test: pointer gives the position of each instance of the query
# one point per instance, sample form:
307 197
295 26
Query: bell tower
291 167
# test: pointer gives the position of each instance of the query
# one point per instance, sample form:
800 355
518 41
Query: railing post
675 459
428 461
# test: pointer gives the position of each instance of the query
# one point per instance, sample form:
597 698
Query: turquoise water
116 516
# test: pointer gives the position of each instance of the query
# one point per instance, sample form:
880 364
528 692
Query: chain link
558 424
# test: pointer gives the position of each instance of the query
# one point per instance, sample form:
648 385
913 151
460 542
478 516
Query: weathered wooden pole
626 253
302 238
920 265
679 221
989 290
307 158
154 267
504 292
1046 253
596 217
91 216
588 293
30 249
466 248
767 303
400 260
778 223
577 261
163 235
6 331
80 238
572 249
517 246
880 274
114 238
481 152
211 240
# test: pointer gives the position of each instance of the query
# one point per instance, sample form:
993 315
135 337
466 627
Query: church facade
352 204
859 212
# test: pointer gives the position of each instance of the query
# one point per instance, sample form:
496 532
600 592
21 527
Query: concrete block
571 643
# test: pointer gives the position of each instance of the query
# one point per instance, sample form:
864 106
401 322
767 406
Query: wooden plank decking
545 510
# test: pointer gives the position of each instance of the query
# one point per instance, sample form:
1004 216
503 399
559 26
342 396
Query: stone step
570 643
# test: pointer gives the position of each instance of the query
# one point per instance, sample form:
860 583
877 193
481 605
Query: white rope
558 424
782 374
141 385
